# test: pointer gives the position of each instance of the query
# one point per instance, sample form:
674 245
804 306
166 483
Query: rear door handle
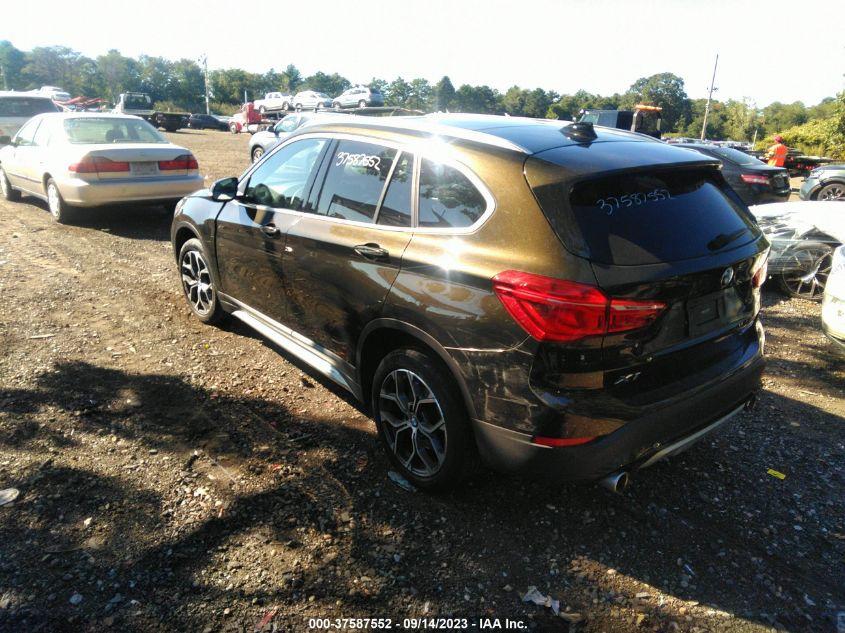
271 231
371 251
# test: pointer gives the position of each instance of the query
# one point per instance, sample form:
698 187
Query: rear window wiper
721 240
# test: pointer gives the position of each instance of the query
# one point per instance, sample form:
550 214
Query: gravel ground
178 477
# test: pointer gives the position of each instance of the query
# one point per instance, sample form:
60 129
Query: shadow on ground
311 524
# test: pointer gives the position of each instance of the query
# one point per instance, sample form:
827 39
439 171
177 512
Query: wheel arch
830 181
382 336
182 235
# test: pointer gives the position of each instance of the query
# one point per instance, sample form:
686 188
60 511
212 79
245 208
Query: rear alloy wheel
257 153
809 267
833 191
11 194
362 104
421 420
197 283
59 209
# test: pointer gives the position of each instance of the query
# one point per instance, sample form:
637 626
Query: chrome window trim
417 148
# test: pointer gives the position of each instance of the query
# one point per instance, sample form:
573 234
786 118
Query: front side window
448 199
96 130
280 181
354 181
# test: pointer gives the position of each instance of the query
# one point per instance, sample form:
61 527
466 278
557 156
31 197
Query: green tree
665 90
331 85
155 76
398 93
779 116
478 99
420 96
119 74
290 79
444 95
12 62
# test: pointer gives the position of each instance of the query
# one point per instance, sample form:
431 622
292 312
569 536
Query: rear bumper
635 444
81 193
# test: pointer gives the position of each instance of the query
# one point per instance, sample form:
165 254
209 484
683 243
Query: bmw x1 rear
568 301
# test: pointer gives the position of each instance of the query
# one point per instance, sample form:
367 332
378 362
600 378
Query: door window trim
417 149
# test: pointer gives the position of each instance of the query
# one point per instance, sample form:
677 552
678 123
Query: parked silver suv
360 97
16 108
311 100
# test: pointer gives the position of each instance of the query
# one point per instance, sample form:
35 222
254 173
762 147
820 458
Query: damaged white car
803 236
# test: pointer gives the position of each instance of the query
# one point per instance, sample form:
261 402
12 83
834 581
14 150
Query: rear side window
396 207
448 199
25 106
634 219
355 179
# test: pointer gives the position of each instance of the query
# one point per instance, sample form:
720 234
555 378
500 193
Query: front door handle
271 231
371 251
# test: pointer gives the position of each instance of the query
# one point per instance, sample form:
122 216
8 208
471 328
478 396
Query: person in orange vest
776 154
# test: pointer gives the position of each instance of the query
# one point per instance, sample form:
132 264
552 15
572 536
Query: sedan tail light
558 310
185 161
98 165
754 179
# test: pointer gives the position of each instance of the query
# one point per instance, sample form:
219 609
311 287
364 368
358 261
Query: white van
16 108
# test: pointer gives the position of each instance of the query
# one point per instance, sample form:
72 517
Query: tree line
180 84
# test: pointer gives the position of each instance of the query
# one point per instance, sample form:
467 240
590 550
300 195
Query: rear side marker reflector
558 310
561 441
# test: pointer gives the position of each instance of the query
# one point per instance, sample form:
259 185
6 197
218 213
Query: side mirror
224 189
5 140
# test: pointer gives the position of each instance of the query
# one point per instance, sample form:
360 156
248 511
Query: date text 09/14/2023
417 624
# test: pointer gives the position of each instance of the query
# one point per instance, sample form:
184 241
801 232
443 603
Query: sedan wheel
834 191
9 192
257 153
362 104
809 266
60 211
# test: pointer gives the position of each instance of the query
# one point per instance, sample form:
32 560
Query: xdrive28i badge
727 277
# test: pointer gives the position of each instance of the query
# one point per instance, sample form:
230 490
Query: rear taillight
98 165
760 271
556 442
185 161
754 179
558 310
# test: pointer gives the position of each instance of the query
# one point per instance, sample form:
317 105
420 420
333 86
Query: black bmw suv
561 298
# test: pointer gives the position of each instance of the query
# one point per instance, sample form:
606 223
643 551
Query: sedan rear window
95 130
634 219
25 106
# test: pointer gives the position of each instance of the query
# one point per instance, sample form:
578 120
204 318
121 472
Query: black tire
62 212
257 153
285 106
202 302
807 278
298 107
262 110
233 128
9 193
362 104
336 105
415 371
833 191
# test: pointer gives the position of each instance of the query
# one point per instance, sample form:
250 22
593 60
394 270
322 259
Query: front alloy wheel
414 426
197 283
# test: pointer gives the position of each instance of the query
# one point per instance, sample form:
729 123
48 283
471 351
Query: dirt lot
178 477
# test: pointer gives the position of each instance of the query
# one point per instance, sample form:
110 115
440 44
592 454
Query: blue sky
599 45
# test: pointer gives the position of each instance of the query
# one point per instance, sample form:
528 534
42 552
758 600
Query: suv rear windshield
740 158
663 216
25 106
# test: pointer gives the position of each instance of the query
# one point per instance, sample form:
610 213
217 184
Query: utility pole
709 98
204 60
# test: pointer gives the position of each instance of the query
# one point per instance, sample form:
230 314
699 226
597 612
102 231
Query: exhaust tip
616 482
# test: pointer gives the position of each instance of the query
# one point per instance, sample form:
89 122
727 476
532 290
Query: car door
18 166
251 229
342 258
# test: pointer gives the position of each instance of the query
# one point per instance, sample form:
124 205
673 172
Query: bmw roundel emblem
727 277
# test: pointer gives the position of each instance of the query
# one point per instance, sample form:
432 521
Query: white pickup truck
273 102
